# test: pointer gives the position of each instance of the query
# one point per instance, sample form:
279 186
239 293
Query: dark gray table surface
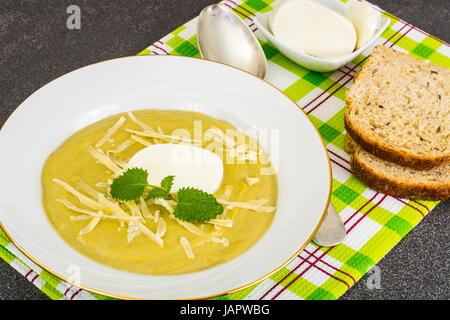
36 47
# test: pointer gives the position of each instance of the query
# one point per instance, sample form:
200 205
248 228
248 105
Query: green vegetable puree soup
113 241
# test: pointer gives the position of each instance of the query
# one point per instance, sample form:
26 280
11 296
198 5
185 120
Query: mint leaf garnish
196 206
130 185
167 183
156 193
164 191
193 205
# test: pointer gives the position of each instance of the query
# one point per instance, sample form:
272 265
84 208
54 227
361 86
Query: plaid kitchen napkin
375 222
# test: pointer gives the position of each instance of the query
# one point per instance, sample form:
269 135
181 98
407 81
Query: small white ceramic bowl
314 63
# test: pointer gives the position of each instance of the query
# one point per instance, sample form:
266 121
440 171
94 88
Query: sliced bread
393 179
399 109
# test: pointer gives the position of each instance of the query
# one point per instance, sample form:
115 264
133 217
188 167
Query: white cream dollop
313 29
192 166
365 20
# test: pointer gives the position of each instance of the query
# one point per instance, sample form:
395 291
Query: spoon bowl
332 230
223 37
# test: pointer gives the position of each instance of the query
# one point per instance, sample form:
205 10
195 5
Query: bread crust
403 189
383 151
388 153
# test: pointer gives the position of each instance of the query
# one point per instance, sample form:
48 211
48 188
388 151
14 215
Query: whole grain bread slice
396 180
399 109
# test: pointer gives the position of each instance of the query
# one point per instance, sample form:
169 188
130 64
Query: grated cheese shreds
172 202
90 226
119 211
98 155
81 240
156 216
196 230
198 244
249 155
165 204
132 231
227 193
218 233
80 217
218 135
187 247
120 163
161 228
103 216
239 150
104 203
242 152
110 132
189 226
144 209
150 234
71 206
258 202
226 243
140 140
251 181
89 213
140 123
81 197
246 205
123 146
160 131
226 196
267 171
134 210
146 128
221 222
87 188
165 137
102 184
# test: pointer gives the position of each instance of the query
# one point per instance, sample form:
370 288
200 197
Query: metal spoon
332 230
223 37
